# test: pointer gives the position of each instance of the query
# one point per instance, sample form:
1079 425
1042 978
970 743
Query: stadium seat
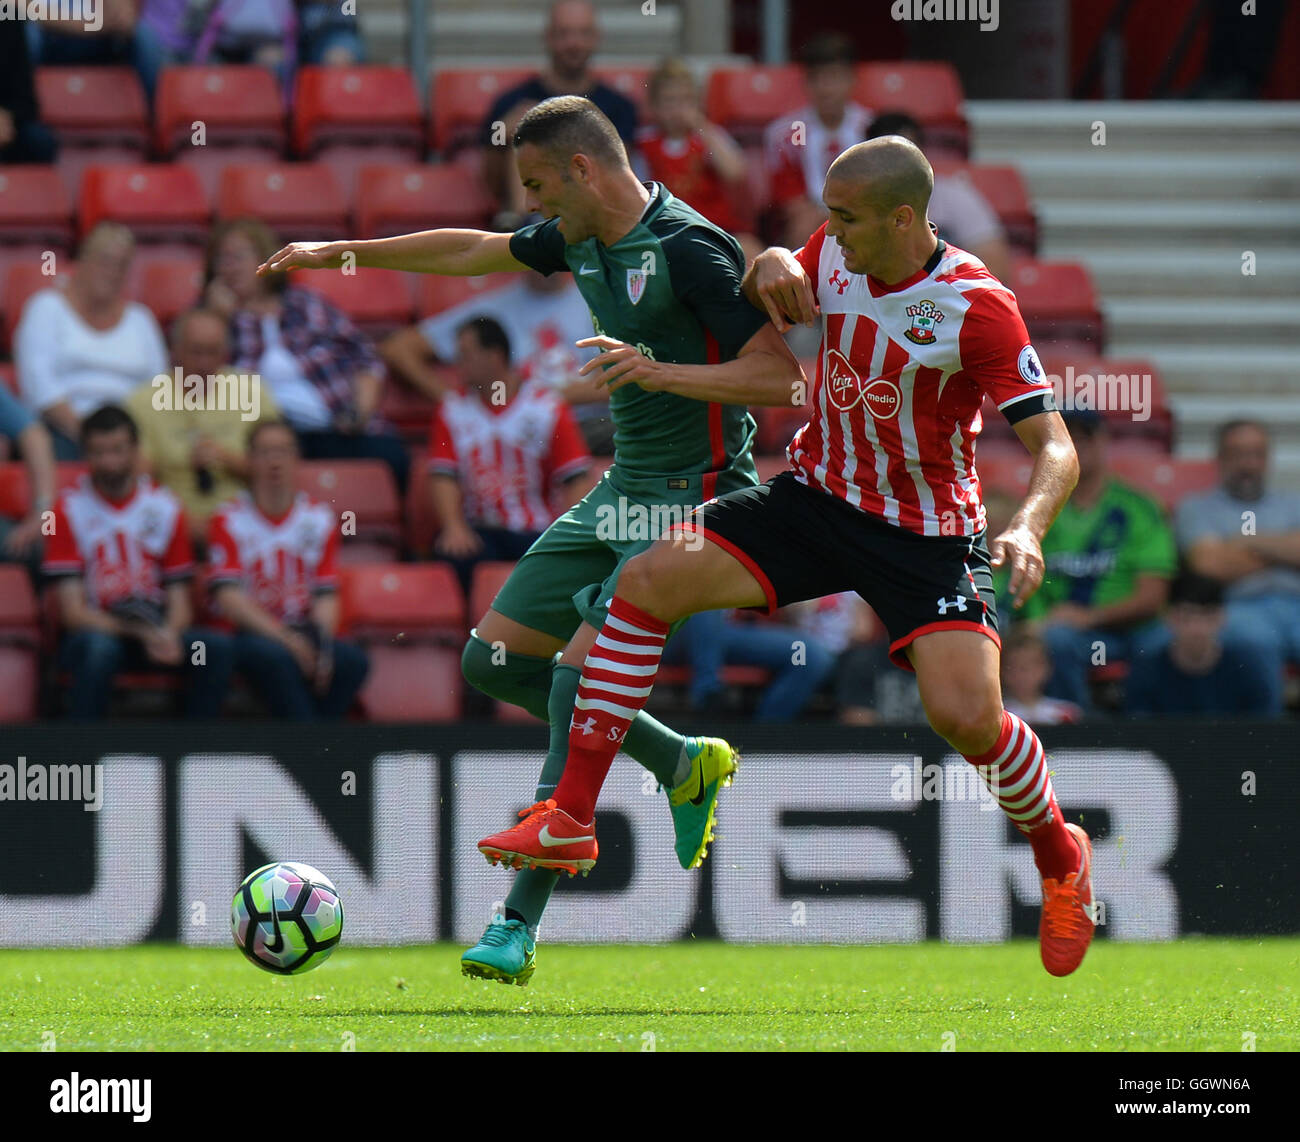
771 465
35 209
302 200
745 100
377 301
400 199
488 580
237 104
20 641
412 684
170 286
1005 191
461 99
1148 398
777 426
437 293
1057 301
632 82
367 104
410 412
159 202
20 616
418 602
94 106
364 487
422 522
1167 480
928 90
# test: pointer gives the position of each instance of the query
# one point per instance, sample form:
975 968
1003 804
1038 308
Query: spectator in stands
1247 536
272 571
800 147
23 137
329 35
695 159
1195 674
501 455
120 552
20 540
869 690
572 36
79 349
711 640
543 317
1109 559
197 446
1026 667
322 372
962 214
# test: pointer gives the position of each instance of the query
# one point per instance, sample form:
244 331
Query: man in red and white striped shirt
501 455
883 498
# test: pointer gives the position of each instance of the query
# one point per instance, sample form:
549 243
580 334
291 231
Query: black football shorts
802 543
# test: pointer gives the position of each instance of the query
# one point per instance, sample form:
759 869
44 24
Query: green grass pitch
1194 994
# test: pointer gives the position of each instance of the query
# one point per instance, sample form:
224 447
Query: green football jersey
1095 555
671 288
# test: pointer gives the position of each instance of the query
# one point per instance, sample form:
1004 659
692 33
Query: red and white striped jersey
508 458
125 550
902 372
282 564
799 149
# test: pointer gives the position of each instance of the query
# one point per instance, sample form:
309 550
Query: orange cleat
1068 916
547 838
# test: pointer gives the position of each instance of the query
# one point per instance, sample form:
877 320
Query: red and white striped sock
616 681
1015 770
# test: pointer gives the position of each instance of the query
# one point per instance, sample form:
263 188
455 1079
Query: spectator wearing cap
1109 558
1246 535
1195 673
961 213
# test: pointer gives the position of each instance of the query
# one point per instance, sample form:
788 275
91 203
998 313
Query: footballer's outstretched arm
458 253
1056 471
763 372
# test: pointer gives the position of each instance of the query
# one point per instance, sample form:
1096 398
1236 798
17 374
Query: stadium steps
1161 216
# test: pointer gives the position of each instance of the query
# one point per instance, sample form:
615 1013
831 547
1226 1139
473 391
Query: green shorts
568 576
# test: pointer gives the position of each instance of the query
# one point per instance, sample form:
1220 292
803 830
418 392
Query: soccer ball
286 918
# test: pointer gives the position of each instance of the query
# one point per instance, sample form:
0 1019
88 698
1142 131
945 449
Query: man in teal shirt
1110 557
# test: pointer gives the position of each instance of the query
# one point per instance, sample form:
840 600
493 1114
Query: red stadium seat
1004 190
159 202
20 678
745 100
632 82
410 412
170 286
1166 480
363 487
35 210
422 523
20 616
770 465
461 100
1057 301
420 602
412 684
777 426
355 104
301 200
437 293
400 199
94 106
928 90
377 301
488 580
1144 395
237 104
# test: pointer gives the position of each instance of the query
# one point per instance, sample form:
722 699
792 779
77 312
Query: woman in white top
80 348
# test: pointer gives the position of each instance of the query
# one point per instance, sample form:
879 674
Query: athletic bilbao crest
925 318
636 283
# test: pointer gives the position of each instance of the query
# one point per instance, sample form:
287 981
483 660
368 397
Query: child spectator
695 159
1025 670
